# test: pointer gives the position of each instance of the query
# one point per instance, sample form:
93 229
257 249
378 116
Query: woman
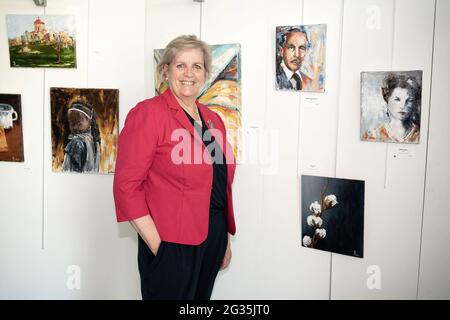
173 179
403 97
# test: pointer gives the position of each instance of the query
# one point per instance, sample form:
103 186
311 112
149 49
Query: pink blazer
163 169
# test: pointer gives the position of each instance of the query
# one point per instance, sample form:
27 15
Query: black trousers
183 272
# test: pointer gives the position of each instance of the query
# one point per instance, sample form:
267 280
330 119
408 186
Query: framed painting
84 129
391 106
11 136
300 57
333 214
41 41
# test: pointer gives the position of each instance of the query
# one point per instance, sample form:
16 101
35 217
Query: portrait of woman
390 106
173 180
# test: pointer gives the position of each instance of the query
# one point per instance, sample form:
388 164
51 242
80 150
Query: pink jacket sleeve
137 143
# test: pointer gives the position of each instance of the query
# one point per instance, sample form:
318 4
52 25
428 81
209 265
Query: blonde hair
182 43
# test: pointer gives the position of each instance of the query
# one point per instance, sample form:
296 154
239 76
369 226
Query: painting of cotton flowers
221 91
41 41
333 215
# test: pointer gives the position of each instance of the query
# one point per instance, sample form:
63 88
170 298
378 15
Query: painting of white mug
7 116
11 137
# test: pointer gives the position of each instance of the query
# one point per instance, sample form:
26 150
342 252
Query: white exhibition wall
52 221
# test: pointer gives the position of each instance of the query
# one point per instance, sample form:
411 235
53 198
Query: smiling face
400 104
294 50
186 74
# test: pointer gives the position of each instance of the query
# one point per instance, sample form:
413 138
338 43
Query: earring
387 112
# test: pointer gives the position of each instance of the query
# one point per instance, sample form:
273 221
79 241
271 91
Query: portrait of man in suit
299 61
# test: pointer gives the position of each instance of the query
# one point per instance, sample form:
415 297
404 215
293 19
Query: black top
218 201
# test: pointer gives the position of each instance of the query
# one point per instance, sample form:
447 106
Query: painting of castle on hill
41 41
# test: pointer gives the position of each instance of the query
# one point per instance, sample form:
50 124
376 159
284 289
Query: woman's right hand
147 230
154 248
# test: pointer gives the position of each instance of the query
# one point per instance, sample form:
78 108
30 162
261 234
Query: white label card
310 101
403 153
311 167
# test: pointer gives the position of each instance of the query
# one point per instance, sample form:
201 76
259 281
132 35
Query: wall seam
201 20
299 117
260 212
299 149
426 153
338 95
338 99
386 163
394 8
146 27
43 162
88 41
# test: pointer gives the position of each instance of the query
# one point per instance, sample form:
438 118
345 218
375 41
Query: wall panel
434 281
79 208
393 206
166 19
366 46
252 35
21 183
